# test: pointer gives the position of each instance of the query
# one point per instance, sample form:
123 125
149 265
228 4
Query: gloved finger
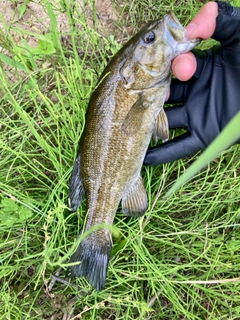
178 91
228 27
172 150
177 117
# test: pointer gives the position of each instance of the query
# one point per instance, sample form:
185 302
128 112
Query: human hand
210 95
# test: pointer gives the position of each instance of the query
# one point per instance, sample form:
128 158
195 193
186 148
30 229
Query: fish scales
124 112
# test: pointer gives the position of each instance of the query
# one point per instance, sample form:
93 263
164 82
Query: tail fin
93 254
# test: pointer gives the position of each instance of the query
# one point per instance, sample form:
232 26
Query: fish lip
195 40
171 23
171 17
176 34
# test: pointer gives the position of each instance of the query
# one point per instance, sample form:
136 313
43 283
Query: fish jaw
176 36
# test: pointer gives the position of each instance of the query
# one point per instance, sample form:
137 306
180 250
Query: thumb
184 66
204 24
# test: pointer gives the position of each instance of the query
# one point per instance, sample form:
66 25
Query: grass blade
54 27
5 59
226 138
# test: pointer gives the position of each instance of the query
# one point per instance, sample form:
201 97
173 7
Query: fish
124 112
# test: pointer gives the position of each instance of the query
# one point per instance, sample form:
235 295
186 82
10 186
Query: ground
32 17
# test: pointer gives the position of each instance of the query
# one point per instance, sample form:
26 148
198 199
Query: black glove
211 98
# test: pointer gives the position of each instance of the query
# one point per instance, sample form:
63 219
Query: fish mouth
176 34
173 25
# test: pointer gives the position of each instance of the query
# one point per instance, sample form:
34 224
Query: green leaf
22 10
229 135
235 3
24 213
8 219
11 212
8 205
45 45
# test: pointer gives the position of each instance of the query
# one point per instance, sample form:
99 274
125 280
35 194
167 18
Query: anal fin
76 190
161 127
135 202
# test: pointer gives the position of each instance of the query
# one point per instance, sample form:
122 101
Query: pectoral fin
134 118
135 202
76 191
161 128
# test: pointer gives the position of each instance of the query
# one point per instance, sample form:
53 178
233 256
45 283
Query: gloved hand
211 98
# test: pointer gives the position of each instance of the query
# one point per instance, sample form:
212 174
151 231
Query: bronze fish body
124 112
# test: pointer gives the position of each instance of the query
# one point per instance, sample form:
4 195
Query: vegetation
180 261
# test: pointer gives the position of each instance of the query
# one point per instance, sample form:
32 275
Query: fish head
149 53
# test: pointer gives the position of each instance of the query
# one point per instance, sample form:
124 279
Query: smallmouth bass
124 112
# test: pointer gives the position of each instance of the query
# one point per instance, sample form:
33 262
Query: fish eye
149 37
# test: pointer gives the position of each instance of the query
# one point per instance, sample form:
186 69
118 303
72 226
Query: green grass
180 261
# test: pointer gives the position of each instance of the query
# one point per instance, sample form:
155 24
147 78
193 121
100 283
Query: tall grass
179 261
